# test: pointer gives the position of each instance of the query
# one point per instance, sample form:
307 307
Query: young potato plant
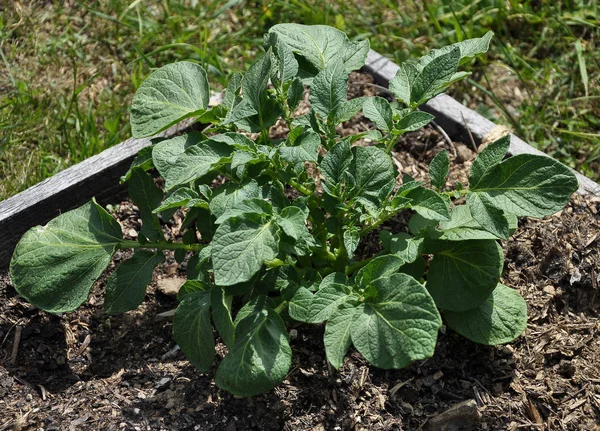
276 242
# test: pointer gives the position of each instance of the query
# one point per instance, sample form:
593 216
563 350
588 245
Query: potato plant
276 241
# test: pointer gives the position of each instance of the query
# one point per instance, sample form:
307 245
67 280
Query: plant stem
162 245
358 265
281 307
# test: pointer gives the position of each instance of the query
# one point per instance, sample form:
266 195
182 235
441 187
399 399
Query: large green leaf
434 76
372 174
305 148
126 287
428 203
221 313
170 94
401 84
400 326
381 266
337 333
229 195
500 319
240 246
489 217
487 158
468 49
287 65
54 266
326 301
196 161
193 331
462 226
293 222
321 46
147 196
329 90
463 274
438 169
261 355
336 162
379 111
527 185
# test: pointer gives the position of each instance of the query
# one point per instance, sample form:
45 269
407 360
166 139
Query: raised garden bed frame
99 175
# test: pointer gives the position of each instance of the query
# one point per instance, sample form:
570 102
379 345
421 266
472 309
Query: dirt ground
89 371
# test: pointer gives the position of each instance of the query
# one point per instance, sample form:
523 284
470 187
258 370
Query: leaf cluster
275 239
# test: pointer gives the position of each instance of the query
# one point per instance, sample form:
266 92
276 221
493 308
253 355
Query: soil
89 371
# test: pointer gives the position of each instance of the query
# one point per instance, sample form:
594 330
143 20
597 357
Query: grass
68 69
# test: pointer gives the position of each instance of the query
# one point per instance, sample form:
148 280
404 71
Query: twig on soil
442 132
15 349
470 134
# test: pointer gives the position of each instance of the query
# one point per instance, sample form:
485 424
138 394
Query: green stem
379 222
358 265
161 245
281 307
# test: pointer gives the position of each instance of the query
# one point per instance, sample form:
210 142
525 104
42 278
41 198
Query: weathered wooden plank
457 120
97 177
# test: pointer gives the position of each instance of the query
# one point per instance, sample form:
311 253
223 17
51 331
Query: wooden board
460 122
99 176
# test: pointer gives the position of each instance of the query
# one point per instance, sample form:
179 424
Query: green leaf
349 109
406 247
193 331
434 76
261 355
255 82
326 301
500 319
182 197
321 46
489 217
468 49
54 266
373 175
463 274
126 287
195 162
295 94
487 158
233 90
147 196
400 327
351 240
528 186
462 226
379 111
428 204
299 305
337 333
255 206
337 162
229 195
240 246
287 65
306 148
221 314
329 90
380 266
292 220
334 278
438 170
170 94
414 121
143 160
402 83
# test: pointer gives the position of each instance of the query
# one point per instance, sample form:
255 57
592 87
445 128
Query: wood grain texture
96 177
458 120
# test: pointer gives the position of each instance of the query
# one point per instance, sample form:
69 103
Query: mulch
88 371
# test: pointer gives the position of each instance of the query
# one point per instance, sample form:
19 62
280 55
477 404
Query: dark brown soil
89 371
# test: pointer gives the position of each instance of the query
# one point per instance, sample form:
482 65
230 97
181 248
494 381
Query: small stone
464 153
132 233
28 397
462 416
170 286
550 290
